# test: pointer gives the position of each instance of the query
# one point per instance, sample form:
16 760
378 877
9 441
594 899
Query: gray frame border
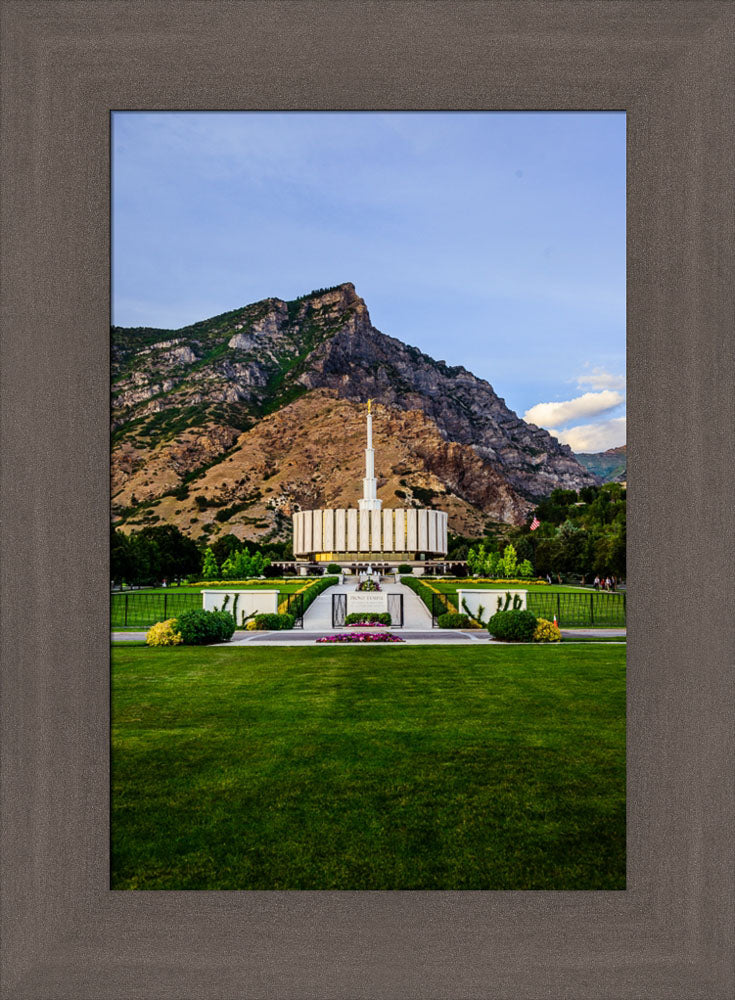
65 65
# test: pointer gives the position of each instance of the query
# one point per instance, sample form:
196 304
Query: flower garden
360 637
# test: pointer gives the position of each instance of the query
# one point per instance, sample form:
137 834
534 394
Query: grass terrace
450 585
394 768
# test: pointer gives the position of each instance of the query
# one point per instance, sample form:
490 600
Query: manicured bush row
363 617
317 588
451 619
273 622
427 594
419 588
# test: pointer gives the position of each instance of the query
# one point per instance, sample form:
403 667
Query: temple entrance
394 603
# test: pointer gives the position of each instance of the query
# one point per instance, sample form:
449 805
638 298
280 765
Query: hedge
451 619
200 628
362 617
274 621
514 626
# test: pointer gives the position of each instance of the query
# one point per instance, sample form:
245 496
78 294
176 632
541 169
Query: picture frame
66 65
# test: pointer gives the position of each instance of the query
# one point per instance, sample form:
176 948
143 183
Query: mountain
610 465
234 422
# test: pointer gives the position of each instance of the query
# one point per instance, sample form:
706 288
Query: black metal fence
439 606
339 610
395 609
295 607
595 608
145 609
141 609
592 609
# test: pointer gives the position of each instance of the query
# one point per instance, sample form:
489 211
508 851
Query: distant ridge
610 465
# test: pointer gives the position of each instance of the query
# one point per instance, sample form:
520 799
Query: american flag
535 524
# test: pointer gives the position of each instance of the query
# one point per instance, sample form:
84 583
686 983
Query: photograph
368 500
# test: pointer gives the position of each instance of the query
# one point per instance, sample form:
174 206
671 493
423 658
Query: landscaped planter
360 637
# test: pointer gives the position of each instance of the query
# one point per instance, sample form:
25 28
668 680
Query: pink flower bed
361 637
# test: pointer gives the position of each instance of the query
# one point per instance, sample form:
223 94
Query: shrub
199 627
334 568
364 617
273 621
451 619
515 626
546 631
369 585
405 568
163 634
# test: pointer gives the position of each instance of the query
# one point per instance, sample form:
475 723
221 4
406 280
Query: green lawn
402 768
450 586
287 585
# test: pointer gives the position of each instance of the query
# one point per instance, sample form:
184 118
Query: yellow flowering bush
251 626
546 631
163 634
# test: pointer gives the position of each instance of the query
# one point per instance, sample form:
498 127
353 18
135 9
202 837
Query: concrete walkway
318 616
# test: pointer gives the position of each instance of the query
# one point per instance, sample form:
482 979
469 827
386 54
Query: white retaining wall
489 600
248 601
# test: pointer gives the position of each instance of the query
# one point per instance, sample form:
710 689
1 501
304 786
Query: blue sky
491 240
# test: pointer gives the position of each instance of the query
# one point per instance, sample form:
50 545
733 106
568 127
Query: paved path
297 637
318 616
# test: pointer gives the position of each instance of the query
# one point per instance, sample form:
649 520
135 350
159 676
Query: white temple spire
369 499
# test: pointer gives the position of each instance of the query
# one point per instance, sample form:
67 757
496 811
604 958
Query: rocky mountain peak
181 398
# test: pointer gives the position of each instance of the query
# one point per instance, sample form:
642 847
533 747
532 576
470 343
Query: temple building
368 535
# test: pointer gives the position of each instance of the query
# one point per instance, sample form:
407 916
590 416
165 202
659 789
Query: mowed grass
287 585
404 768
451 586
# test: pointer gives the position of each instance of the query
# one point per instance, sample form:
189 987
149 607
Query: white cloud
598 378
587 405
593 437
